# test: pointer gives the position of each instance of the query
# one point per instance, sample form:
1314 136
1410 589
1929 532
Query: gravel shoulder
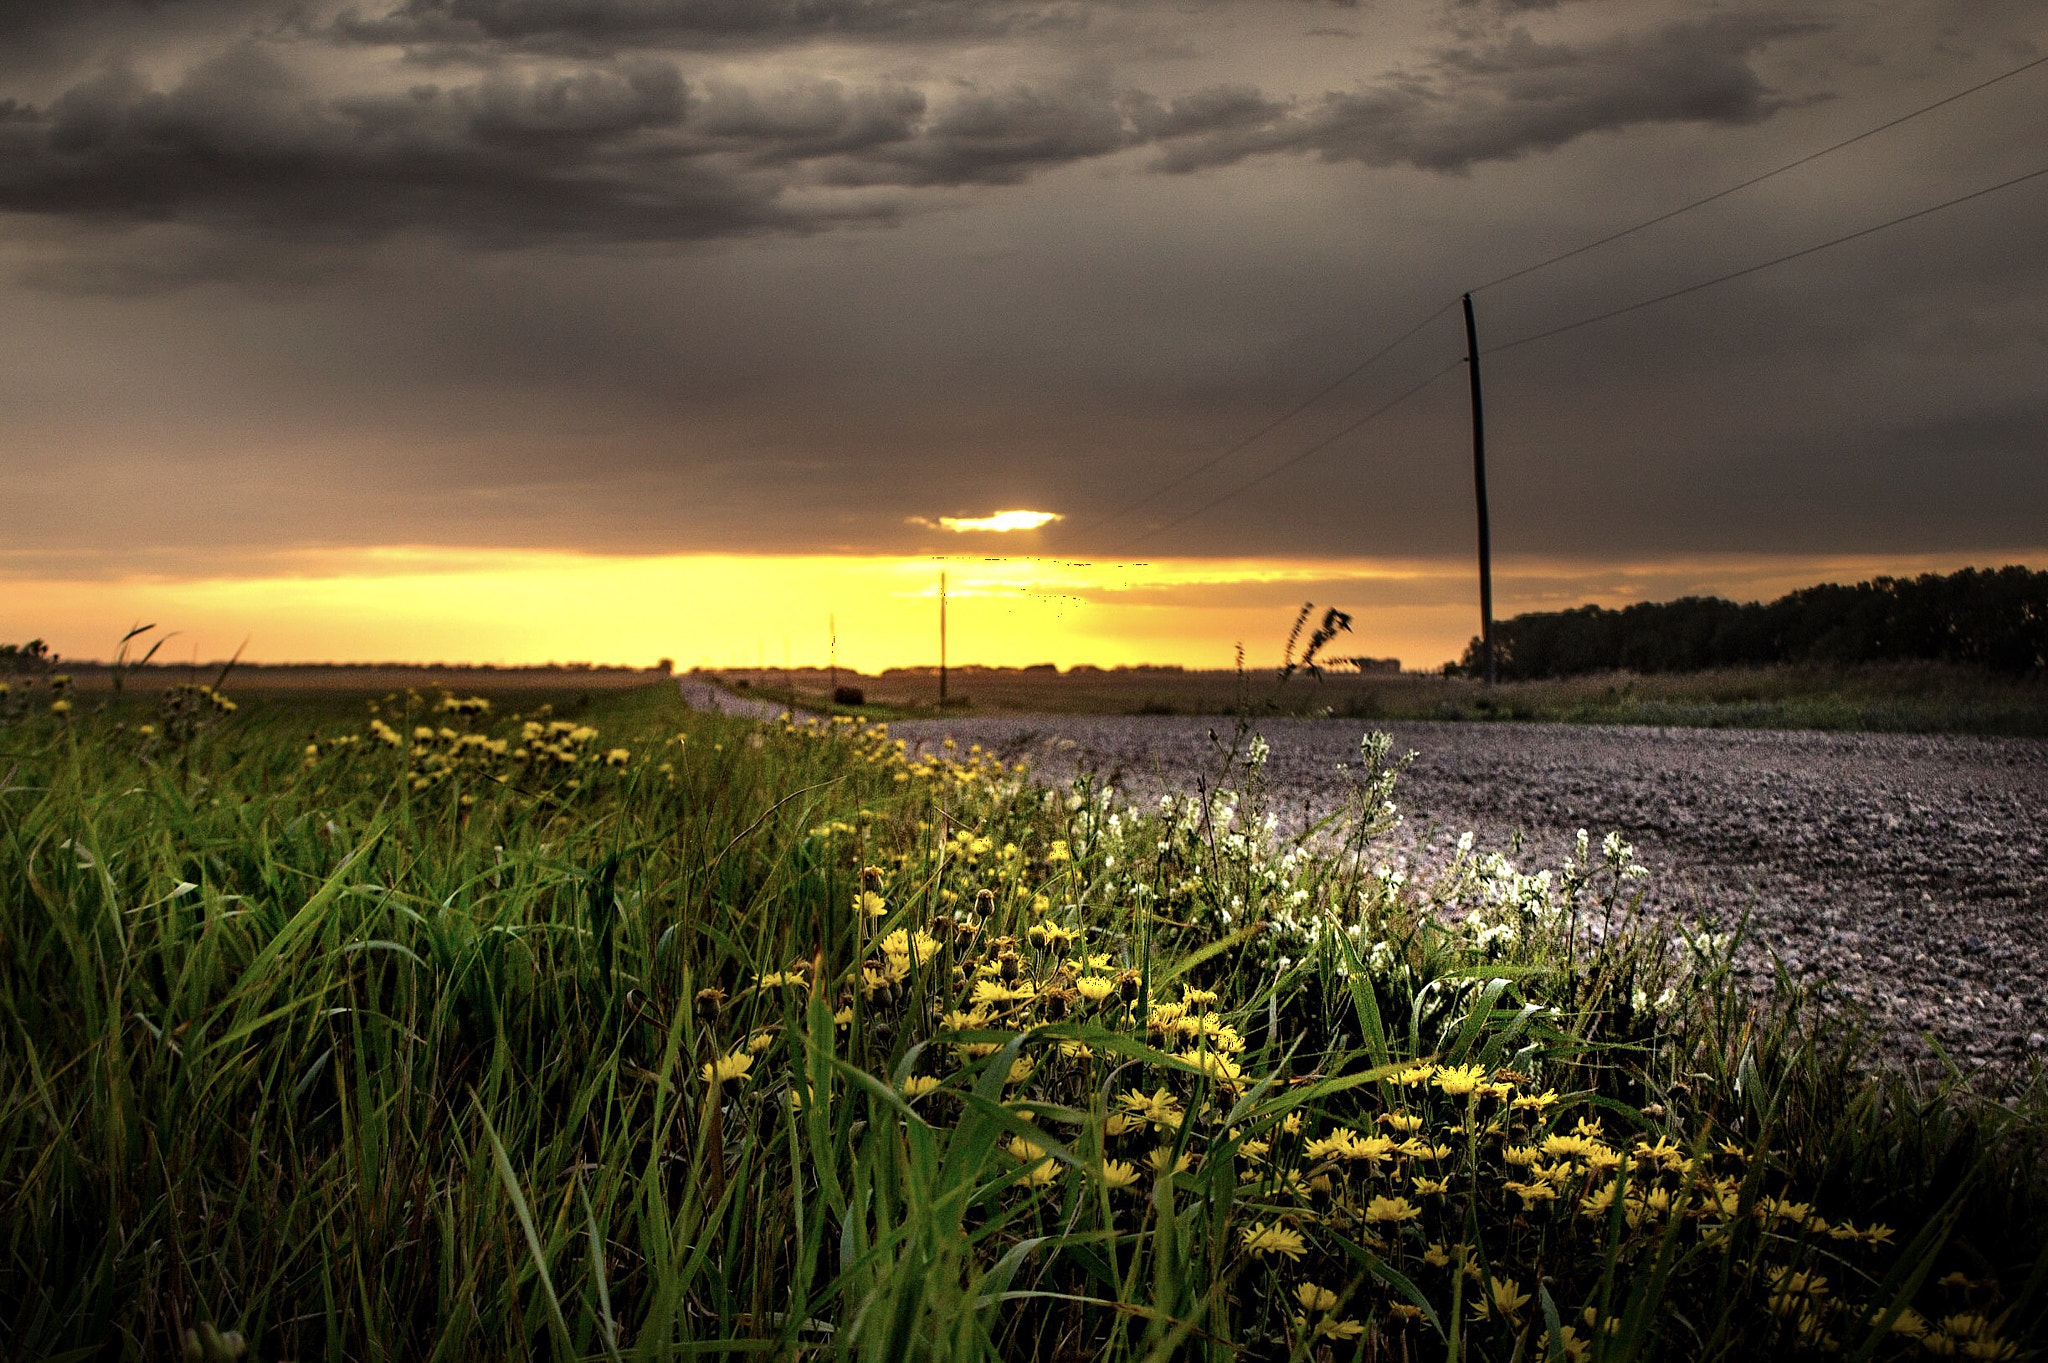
1903 873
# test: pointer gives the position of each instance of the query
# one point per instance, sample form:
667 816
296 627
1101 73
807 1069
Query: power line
1359 368
1759 179
1765 265
1182 479
1271 426
1389 406
1282 467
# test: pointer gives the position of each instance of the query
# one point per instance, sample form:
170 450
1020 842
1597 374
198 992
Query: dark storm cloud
623 150
605 24
243 141
620 151
29 17
1501 100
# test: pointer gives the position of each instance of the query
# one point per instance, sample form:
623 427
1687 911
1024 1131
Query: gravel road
1902 872
717 700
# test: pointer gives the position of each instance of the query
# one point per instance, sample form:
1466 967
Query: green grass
1901 697
426 1048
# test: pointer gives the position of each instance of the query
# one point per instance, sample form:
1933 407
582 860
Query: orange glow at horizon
411 604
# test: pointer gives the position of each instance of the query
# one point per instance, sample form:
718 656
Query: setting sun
1000 521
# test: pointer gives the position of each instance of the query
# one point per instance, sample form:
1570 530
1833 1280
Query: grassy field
1910 697
327 680
414 1027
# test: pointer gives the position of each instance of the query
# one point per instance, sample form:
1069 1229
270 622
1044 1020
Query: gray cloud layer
1500 100
606 273
628 148
607 24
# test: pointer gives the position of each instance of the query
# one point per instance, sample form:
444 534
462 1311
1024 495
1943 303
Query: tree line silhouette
1996 619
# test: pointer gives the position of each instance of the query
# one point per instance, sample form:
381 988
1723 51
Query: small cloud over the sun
999 521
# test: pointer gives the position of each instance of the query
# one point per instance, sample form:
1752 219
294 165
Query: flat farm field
1906 698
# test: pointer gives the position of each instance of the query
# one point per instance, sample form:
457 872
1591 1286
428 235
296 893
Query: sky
518 330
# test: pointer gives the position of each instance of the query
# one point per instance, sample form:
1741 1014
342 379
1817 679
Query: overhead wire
1267 429
1282 467
1765 265
1359 368
1759 179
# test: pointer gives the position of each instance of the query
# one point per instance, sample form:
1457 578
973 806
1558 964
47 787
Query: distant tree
1979 617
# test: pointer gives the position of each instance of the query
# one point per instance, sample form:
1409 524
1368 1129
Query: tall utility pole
832 629
1479 488
942 638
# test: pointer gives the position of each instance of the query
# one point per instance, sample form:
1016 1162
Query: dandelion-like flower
1119 1174
1274 1239
1460 1080
726 1069
1316 1298
1390 1211
1502 1297
1162 1161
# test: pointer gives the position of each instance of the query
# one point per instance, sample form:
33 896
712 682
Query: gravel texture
703 696
1903 873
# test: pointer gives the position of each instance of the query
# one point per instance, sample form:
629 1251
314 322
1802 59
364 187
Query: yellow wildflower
1274 1239
1316 1298
727 1068
1392 1210
1163 1162
1573 1349
1336 1145
1119 1174
1502 1297
1460 1080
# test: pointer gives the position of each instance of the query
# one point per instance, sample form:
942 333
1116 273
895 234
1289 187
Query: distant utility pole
942 638
832 629
1479 488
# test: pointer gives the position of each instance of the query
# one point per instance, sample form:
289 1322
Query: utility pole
832 629
942 638
1479 488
